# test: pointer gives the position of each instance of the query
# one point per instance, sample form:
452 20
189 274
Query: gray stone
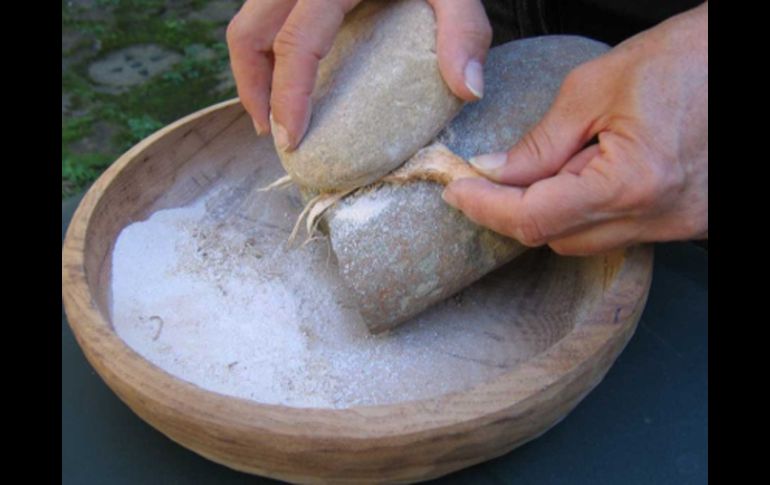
400 248
379 97
521 79
132 65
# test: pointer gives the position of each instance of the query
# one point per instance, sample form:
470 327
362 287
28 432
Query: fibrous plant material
434 163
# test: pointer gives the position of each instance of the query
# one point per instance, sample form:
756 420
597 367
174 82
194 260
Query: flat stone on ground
132 65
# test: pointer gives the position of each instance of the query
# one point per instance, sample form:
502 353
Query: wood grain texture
398 443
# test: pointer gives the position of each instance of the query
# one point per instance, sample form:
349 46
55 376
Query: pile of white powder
213 294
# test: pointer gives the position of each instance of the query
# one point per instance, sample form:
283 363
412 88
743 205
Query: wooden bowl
402 442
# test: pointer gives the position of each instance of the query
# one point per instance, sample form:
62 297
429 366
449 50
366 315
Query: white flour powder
211 294
368 208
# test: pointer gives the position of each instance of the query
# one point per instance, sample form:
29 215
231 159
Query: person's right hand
645 179
276 45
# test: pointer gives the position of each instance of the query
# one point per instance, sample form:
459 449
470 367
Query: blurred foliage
104 26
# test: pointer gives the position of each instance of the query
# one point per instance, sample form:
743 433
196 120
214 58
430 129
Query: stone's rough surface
521 80
379 98
401 250
132 65
400 247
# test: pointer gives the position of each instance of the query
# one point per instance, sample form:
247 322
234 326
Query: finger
463 38
542 152
599 239
549 209
252 72
249 39
302 42
581 160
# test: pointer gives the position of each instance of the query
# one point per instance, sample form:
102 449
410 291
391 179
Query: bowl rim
513 392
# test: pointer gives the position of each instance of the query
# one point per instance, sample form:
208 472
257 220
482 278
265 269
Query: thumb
549 209
463 38
305 38
546 148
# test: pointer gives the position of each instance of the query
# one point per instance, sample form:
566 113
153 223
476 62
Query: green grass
82 168
140 111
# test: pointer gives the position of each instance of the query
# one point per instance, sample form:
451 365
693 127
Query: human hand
276 45
647 177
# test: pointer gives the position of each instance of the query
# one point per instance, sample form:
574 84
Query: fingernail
474 78
305 125
489 162
281 137
449 197
259 130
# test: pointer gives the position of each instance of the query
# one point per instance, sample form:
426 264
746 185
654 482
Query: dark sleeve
649 12
611 21
516 19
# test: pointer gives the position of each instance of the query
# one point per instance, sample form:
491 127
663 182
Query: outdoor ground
130 67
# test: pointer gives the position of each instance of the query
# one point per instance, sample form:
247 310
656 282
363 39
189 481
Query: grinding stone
400 248
379 97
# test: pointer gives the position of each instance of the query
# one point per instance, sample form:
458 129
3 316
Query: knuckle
288 40
531 145
538 143
233 31
239 35
653 183
291 40
647 192
529 231
614 188
477 32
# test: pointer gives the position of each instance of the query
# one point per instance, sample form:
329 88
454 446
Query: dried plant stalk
434 163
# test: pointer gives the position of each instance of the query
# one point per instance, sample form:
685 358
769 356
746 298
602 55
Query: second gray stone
401 248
